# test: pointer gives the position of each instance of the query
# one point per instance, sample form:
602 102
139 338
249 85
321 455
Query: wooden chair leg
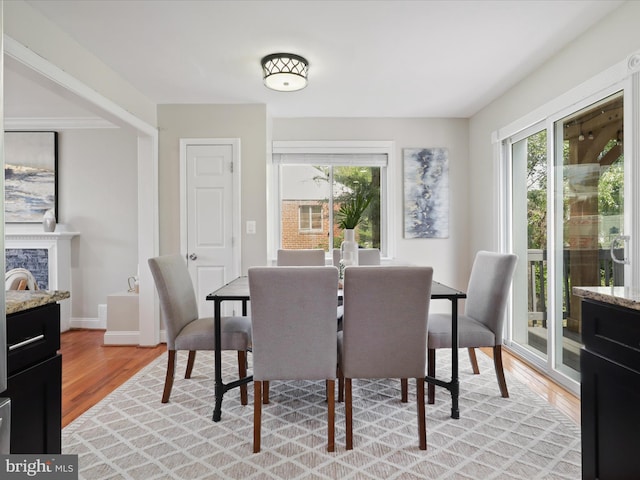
422 424
242 372
497 362
474 361
348 413
265 392
168 382
404 387
331 415
257 415
431 371
190 362
340 386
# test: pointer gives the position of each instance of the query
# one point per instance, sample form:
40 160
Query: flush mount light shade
285 72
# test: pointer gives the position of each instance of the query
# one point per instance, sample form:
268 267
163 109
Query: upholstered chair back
385 321
293 312
488 289
366 256
177 296
308 257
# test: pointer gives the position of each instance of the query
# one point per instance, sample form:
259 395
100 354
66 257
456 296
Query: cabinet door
36 408
32 336
610 419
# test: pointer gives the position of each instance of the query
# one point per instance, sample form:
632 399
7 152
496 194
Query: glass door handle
614 242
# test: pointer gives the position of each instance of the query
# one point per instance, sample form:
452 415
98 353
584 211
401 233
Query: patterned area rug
132 435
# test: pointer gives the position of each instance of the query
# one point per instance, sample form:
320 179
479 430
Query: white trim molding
122 338
56 123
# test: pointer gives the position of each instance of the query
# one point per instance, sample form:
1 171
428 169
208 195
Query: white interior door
211 240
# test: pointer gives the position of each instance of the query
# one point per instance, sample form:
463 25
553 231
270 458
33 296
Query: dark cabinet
34 382
610 392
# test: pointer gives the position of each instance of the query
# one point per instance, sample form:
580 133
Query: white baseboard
122 338
90 323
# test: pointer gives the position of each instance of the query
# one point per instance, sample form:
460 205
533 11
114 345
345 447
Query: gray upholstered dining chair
384 335
293 257
483 319
185 330
293 311
366 256
308 257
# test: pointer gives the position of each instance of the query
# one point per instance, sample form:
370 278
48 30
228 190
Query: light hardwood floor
562 399
90 371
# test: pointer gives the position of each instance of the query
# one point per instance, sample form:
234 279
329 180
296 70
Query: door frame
236 205
624 75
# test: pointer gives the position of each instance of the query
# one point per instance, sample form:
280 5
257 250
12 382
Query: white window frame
388 177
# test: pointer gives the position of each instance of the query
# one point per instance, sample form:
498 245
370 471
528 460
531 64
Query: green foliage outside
537 190
363 182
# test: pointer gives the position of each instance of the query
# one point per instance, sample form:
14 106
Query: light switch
251 227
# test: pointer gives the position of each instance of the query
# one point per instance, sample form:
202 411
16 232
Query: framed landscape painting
30 174
426 192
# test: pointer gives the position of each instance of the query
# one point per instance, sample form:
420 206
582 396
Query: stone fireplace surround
58 246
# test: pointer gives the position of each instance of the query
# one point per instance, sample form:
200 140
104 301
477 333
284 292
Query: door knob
193 256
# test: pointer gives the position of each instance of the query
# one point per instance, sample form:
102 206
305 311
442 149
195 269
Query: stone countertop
20 300
621 296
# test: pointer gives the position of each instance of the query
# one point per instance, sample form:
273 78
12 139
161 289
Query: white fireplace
58 247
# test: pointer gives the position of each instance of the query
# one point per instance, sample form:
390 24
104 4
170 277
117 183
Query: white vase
49 221
349 248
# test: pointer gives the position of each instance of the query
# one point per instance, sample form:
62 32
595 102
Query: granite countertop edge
621 296
21 300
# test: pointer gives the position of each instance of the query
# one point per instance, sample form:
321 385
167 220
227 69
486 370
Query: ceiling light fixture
285 72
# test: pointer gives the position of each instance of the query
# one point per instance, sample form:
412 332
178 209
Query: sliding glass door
567 220
590 212
529 235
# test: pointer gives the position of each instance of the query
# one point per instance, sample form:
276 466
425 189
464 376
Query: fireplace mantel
40 236
58 245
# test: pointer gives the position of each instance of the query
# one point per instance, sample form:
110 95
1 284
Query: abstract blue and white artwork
426 192
29 175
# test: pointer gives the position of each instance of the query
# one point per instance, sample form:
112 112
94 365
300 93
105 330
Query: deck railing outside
611 273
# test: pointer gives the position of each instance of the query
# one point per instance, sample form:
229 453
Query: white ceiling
380 58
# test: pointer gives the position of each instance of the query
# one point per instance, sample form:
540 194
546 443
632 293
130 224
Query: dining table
238 291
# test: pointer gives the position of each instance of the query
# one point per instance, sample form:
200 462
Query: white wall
97 195
449 256
247 122
608 43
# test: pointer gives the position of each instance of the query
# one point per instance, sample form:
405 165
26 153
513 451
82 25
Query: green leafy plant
352 208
